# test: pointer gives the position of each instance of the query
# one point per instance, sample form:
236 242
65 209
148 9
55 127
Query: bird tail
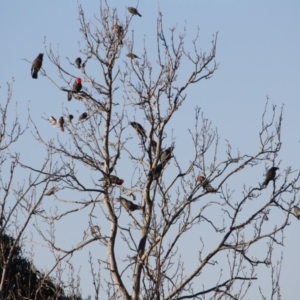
138 14
34 74
62 128
69 96
210 189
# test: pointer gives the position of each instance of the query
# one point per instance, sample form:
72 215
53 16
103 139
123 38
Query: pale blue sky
258 51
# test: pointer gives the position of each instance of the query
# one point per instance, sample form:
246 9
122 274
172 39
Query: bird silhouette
70 118
36 66
139 129
166 155
82 117
270 175
297 212
78 62
128 205
51 191
132 56
134 11
61 123
156 172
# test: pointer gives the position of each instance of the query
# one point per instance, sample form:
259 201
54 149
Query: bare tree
21 202
147 257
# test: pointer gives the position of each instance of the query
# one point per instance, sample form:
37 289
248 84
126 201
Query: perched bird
297 212
61 122
111 179
134 11
77 86
51 191
53 121
132 56
36 65
205 184
119 32
166 155
139 129
70 118
128 205
82 117
78 62
270 175
156 172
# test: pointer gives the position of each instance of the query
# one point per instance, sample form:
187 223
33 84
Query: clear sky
258 52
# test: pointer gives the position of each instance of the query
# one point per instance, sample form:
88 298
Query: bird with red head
77 86
111 179
206 185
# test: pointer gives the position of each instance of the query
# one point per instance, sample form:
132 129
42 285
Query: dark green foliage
22 280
